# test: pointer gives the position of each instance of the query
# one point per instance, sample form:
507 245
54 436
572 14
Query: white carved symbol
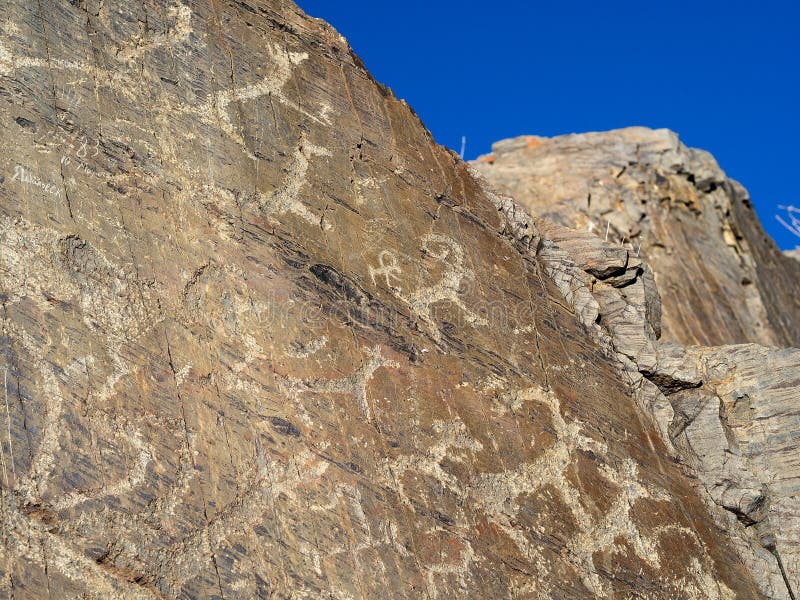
81 152
354 384
389 271
448 252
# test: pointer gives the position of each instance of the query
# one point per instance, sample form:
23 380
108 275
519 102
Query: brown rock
262 337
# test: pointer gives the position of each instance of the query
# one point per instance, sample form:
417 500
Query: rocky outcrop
741 432
730 413
261 337
721 278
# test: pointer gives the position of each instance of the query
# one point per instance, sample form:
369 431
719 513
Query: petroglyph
181 15
33 483
50 552
452 436
66 268
498 493
178 33
216 109
286 199
354 385
461 570
389 271
306 349
271 479
133 479
451 255
8 433
182 374
10 62
23 244
113 299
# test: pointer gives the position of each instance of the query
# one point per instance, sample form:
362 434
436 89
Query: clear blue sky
724 75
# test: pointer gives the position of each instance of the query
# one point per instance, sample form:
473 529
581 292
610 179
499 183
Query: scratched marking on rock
389 271
178 33
498 493
286 199
216 111
8 431
24 175
497 496
306 349
354 384
451 255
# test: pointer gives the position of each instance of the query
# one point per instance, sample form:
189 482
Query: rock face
261 337
741 431
729 412
722 280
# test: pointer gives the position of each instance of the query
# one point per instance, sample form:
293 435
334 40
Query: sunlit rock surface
722 279
261 337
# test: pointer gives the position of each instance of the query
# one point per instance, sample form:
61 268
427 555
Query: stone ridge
721 278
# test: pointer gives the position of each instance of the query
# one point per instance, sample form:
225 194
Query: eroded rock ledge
722 279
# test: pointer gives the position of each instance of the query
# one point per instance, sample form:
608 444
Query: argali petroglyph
499 494
286 199
354 385
451 255
216 110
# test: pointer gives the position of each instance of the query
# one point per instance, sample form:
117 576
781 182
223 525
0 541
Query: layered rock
730 413
721 278
262 337
741 431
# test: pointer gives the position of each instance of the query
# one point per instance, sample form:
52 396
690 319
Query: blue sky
724 75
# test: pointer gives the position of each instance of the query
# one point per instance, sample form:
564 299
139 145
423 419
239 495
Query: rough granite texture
261 337
722 279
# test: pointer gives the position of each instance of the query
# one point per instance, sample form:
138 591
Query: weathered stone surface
722 279
740 432
730 413
262 338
